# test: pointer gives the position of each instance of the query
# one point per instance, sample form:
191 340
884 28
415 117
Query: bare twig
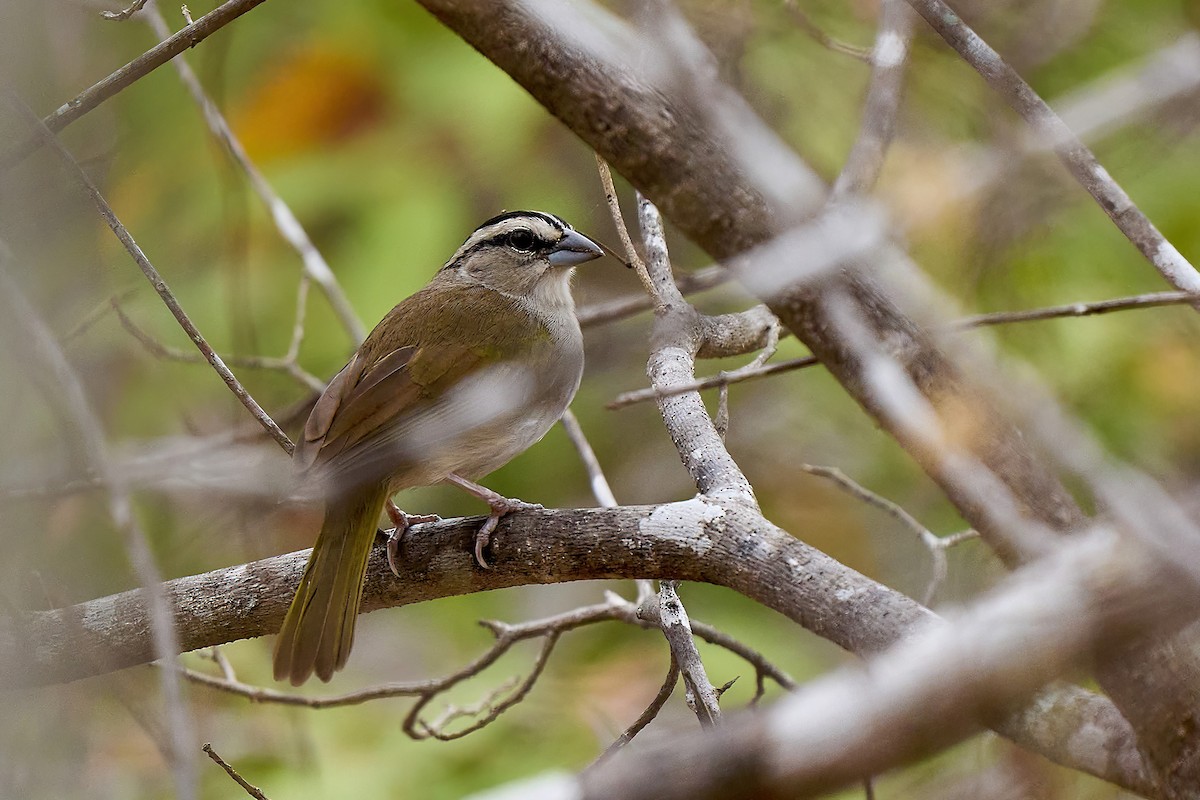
156 280
1095 110
763 668
250 788
223 663
1075 155
1151 300
936 545
289 227
712 382
125 13
614 208
822 38
96 314
600 488
486 711
688 282
614 608
287 365
141 66
647 716
702 697
888 58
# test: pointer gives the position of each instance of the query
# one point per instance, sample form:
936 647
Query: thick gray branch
691 540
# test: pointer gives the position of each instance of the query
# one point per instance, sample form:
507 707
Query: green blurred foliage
391 140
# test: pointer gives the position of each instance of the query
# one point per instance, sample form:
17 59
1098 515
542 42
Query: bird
454 382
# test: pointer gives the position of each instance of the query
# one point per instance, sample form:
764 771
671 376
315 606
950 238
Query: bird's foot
396 535
500 506
498 503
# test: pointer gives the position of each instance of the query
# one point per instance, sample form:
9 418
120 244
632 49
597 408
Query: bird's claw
396 535
500 508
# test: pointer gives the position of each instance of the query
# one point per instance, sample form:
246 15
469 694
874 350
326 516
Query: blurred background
391 140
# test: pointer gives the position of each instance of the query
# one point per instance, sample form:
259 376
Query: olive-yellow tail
319 627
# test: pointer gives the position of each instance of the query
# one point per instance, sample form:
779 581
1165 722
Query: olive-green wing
359 428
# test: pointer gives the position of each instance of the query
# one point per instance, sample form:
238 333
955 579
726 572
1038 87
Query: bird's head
524 254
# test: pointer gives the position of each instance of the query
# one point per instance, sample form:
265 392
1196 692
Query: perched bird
453 383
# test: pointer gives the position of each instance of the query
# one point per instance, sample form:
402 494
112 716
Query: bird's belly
474 449
492 446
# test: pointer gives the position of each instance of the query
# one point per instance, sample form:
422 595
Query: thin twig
1151 300
156 280
614 608
1074 154
490 709
600 488
286 365
822 38
125 13
96 314
936 545
712 382
250 788
763 668
647 716
702 696
688 283
141 66
614 208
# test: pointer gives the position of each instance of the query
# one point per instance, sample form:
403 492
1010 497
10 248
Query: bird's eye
521 240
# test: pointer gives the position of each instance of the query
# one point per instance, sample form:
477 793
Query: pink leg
498 503
403 522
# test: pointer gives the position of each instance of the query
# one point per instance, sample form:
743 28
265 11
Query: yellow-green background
391 139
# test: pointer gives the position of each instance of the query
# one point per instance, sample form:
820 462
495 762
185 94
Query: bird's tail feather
319 627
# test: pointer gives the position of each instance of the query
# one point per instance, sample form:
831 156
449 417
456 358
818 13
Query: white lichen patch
890 50
1176 267
1120 201
847 593
685 522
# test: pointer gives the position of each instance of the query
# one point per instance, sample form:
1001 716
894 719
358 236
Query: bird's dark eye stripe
505 239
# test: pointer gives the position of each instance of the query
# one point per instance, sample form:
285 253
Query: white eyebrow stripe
537 223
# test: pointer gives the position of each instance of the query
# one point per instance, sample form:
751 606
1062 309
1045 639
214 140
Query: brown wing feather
352 434
384 388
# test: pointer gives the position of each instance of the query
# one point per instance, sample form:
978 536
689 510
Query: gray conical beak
574 248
